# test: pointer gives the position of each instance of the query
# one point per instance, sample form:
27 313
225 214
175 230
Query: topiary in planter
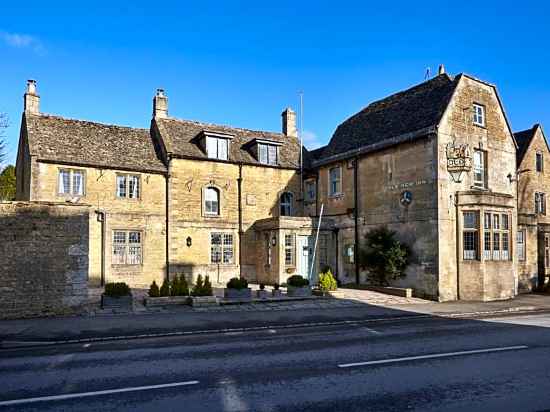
297 281
174 286
237 283
165 288
183 286
154 291
117 289
207 287
327 282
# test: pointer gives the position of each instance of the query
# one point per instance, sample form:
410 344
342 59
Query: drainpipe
316 193
356 215
102 217
457 242
336 271
240 208
167 219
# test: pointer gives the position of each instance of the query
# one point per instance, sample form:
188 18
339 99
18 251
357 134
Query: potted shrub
297 286
116 296
201 294
237 288
276 292
262 293
327 283
175 292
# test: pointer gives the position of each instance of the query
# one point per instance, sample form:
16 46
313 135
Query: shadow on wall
43 258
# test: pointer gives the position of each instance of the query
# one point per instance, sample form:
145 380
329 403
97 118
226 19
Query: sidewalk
182 320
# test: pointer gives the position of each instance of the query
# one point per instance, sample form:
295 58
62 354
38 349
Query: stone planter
301 292
262 294
276 293
201 301
244 294
166 301
118 302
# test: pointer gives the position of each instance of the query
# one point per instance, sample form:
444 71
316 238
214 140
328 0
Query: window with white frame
127 186
267 154
217 147
71 182
310 190
221 248
211 201
480 168
470 235
127 247
479 114
539 162
286 204
335 181
540 203
496 236
520 244
289 250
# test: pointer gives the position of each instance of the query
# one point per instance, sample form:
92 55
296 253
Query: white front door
304 251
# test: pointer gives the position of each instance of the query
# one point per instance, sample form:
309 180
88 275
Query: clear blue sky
241 63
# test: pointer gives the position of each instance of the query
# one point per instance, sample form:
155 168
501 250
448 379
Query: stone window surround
521 249
475 230
142 243
291 202
71 170
290 247
540 196
127 197
307 198
340 192
485 169
203 201
493 224
539 155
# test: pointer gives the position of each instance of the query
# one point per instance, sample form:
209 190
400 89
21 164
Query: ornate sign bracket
459 160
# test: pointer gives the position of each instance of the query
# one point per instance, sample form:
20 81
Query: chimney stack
289 122
160 105
441 69
31 98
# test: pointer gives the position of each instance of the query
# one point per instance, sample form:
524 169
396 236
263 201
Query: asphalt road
424 364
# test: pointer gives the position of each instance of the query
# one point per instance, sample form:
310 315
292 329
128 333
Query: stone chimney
160 105
31 98
441 69
289 122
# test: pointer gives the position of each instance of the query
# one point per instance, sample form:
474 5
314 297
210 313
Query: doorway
305 255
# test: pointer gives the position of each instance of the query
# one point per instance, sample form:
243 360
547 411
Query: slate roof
409 111
523 140
57 139
181 139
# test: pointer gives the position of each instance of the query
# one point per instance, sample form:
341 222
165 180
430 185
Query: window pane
272 152
133 187
119 248
222 149
121 186
78 188
227 248
215 247
504 222
334 180
470 247
64 182
470 220
262 153
289 249
286 204
212 201
211 147
487 221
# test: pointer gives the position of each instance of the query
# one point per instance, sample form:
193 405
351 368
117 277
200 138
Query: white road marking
432 356
372 330
96 393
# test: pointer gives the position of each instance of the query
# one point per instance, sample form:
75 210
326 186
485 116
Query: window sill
336 196
126 265
481 189
211 216
481 126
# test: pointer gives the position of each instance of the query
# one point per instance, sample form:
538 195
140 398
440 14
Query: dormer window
216 145
266 151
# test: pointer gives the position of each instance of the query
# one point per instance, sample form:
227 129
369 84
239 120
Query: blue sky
241 63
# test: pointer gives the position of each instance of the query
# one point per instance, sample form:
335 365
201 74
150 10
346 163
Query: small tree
165 288
7 183
327 281
207 287
3 126
175 286
197 289
154 291
184 286
385 257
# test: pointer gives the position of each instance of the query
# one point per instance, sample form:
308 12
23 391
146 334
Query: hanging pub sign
459 160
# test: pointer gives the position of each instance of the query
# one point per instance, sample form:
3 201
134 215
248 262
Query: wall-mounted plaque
459 160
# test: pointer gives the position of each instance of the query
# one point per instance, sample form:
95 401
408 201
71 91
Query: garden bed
166 301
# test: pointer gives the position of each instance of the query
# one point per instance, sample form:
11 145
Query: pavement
401 364
357 307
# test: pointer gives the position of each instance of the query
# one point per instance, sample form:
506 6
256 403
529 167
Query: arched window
286 204
211 201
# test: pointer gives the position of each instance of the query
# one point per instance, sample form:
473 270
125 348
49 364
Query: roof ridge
242 129
92 122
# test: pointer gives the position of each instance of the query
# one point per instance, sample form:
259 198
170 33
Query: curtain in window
272 154
121 186
222 149
133 183
262 153
64 182
212 147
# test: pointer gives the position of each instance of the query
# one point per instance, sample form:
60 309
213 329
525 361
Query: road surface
500 364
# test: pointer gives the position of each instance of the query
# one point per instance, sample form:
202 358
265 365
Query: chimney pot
289 122
441 69
31 98
160 105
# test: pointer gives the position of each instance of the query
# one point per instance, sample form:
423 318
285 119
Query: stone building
436 163
533 237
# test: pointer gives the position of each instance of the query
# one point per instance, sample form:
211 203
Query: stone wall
43 258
